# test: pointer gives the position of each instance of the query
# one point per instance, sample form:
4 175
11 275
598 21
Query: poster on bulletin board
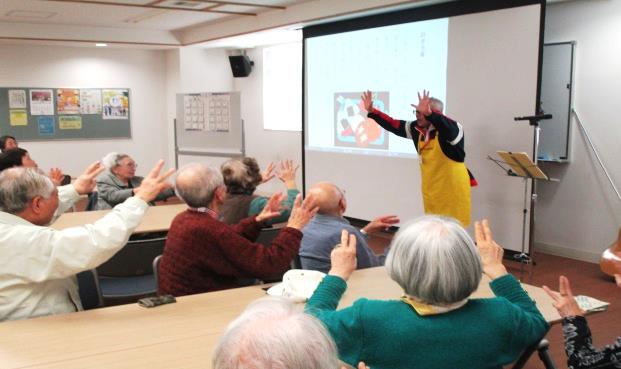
44 114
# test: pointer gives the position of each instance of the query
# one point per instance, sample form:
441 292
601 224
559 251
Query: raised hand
380 223
490 252
153 183
57 176
268 173
287 173
564 300
424 105
343 256
367 100
361 365
302 211
272 208
86 183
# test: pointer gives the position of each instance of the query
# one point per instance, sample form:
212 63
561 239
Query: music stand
522 166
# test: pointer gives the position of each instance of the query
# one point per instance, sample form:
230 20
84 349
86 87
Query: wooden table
180 335
156 218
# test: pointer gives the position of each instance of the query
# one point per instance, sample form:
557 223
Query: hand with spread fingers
489 251
272 208
57 176
564 300
367 100
287 173
380 223
153 183
343 256
302 212
268 173
424 105
85 183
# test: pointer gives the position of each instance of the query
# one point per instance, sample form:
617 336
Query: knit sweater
484 333
203 254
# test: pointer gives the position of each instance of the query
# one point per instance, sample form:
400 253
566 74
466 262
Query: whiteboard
209 124
556 94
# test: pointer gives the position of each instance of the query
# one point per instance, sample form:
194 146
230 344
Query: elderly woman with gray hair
274 333
434 324
120 182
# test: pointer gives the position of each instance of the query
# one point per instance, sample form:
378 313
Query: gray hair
197 183
434 260
436 104
113 159
19 185
273 333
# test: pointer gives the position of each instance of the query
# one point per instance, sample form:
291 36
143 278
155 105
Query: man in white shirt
39 263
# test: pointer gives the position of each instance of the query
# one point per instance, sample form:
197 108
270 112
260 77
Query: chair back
91 204
88 287
267 235
134 259
156 273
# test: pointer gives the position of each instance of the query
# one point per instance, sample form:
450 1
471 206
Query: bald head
197 183
329 198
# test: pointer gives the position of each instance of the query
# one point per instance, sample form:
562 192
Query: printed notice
46 126
18 117
41 102
193 109
115 104
70 122
90 101
17 99
68 101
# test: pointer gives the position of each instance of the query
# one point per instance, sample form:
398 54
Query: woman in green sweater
435 324
242 176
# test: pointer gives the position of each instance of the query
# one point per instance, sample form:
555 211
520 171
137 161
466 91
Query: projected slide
352 128
394 62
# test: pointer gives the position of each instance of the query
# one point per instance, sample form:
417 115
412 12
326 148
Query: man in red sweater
204 254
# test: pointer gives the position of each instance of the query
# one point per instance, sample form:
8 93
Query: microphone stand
523 257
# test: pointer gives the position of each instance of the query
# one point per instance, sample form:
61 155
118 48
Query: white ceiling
32 20
157 24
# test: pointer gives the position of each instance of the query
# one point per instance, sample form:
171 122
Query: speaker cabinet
241 66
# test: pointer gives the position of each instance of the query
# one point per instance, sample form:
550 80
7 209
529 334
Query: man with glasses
324 231
439 141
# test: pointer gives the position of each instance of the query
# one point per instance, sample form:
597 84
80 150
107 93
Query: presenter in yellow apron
439 142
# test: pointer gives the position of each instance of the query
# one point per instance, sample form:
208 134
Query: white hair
197 183
436 104
434 260
113 159
19 185
273 333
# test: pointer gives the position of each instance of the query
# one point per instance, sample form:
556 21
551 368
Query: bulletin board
46 114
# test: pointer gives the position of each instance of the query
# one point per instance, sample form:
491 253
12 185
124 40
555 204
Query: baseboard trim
588 256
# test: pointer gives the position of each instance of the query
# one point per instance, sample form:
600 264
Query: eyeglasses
129 165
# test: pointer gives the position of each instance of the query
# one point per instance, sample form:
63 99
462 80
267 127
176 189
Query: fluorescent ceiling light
101 44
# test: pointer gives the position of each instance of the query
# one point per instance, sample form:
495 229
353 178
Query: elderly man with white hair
273 333
324 231
37 275
203 254
435 324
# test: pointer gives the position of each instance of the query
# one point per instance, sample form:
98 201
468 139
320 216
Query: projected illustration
352 128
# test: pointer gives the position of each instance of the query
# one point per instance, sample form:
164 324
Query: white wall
265 145
580 216
208 70
142 71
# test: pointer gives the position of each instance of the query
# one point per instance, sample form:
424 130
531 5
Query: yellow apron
445 182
